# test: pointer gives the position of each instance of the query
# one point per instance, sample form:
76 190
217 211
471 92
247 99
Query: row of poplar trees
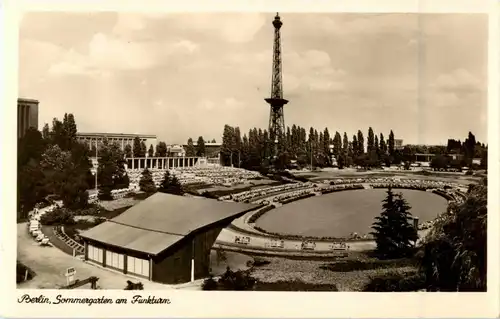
255 149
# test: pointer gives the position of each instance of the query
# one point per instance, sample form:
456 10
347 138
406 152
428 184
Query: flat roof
27 100
81 134
162 220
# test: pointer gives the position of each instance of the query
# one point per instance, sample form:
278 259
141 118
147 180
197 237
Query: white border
246 304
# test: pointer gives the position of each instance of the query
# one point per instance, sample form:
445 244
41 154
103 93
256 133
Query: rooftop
81 134
162 220
27 100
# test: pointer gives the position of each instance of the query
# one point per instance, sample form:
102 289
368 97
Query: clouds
181 75
460 80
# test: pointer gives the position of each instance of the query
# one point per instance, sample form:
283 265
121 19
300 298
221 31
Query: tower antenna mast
276 101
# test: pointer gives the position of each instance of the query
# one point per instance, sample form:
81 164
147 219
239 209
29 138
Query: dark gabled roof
162 220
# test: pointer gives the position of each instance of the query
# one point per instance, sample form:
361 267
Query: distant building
398 144
121 139
27 115
176 150
212 150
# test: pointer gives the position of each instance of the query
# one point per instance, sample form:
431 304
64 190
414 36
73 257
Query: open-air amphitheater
245 234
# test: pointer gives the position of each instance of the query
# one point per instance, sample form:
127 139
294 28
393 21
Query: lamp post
97 166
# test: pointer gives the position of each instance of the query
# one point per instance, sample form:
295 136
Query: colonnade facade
163 162
120 141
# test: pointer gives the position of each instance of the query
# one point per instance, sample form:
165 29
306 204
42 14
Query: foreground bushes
242 280
396 282
230 280
23 273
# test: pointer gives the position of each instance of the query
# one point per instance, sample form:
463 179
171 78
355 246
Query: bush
236 280
21 271
294 285
469 173
134 286
58 216
92 210
396 282
259 214
209 284
356 265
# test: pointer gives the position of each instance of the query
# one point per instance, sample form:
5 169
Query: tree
228 144
69 131
171 185
146 183
361 143
151 151
394 234
456 248
137 149
390 143
213 141
200 147
46 132
190 150
484 159
440 162
382 145
144 149
128 151
30 182
355 148
326 146
337 145
111 169
469 145
371 140
161 149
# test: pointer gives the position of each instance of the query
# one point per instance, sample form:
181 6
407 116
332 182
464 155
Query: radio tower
276 101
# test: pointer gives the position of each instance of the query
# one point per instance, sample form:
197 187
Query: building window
138 266
114 260
95 254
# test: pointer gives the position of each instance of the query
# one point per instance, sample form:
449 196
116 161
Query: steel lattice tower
276 101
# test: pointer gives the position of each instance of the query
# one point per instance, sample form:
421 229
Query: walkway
50 263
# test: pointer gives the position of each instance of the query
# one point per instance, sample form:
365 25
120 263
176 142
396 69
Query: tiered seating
333 188
34 226
116 193
267 191
288 197
226 176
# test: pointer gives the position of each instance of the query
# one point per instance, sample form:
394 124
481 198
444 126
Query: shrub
58 216
209 284
396 282
238 280
134 286
21 271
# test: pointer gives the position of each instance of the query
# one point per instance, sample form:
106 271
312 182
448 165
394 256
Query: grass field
342 213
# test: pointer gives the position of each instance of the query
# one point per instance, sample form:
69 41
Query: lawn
342 213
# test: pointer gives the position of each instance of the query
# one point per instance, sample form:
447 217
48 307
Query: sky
184 75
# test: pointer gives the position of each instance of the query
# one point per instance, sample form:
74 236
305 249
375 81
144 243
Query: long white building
119 138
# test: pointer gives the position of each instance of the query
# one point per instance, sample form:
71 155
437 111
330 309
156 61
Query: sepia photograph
341 152
224 160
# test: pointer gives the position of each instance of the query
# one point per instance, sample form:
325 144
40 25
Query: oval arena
329 216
